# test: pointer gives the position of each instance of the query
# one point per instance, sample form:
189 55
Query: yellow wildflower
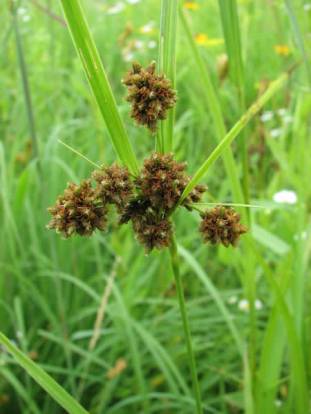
203 40
191 5
282 50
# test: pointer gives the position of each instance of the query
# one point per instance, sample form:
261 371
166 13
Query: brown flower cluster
114 185
150 95
158 188
221 225
78 211
147 201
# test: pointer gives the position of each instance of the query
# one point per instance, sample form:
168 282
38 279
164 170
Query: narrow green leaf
43 379
99 83
192 262
214 107
167 66
299 37
231 29
269 240
233 133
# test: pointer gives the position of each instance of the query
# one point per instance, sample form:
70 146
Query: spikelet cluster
114 185
147 200
163 180
152 229
150 95
221 225
78 211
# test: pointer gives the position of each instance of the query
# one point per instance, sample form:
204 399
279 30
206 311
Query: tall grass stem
186 327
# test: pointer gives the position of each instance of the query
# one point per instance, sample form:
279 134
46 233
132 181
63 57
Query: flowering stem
186 327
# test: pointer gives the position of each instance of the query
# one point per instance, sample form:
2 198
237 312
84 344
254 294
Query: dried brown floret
195 196
221 225
163 180
152 232
153 229
135 209
114 185
78 211
150 95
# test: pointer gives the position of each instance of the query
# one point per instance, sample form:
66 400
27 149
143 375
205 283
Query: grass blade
167 65
233 133
25 82
215 295
215 110
99 83
299 37
43 379
186 326
231 29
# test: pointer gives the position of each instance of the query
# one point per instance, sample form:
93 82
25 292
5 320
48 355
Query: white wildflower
266 116
288 119
21 11
117 8
282 112
285 196
232 300
276 132
147 28
128 56
139 44
152 44
244 305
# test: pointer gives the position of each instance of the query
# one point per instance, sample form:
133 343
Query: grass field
100 315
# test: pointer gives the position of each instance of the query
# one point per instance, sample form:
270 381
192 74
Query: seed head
163 180
78 211
221 225
153 230
151 95
114 185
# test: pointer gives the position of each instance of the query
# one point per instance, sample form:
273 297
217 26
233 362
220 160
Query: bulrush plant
146 201
147 197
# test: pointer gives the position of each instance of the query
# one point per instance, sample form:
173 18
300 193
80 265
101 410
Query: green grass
51 290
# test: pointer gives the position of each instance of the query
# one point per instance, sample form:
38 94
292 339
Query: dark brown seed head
153 230
150 95
162 181
78 211
221 225
114 185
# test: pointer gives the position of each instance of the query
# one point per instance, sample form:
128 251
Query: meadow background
51 289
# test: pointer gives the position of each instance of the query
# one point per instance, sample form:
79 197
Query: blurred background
51 289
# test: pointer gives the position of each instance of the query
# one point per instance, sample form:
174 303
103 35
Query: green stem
98 80
186 327
25 82
167 66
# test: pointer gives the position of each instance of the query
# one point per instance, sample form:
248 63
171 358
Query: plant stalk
25 83
186 327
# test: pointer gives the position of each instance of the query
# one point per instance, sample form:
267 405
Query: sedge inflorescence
150 95
147 200
221 225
